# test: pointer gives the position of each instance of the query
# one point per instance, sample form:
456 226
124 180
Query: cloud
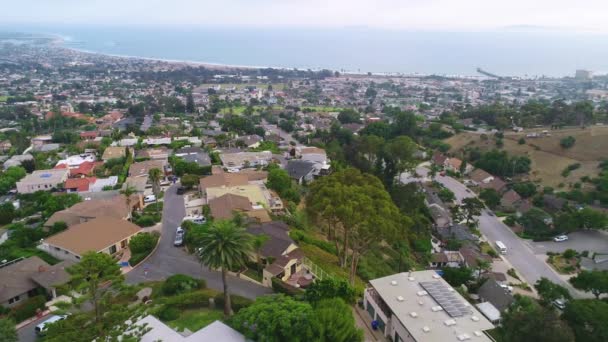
386 14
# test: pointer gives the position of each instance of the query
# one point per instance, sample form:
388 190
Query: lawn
323 108
562 265
253 274
3 98
194 320
328 262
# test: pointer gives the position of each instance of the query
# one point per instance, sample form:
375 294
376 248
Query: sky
436 15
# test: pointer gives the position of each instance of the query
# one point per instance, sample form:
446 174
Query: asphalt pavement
168 259
528 262
584 240
27 333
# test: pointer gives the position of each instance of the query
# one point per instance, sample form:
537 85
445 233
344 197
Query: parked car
150 199
42 327
181 190
560 238
198 219
560 303
179 237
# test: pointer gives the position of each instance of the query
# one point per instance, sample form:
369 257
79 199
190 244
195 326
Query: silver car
179 237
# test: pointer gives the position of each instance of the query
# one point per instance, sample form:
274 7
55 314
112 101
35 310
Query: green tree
277 318
482 267
155 176
595 282
88 276
7 331
7 213
128 192
567 142
356 212
470 208
457 276
225 246
587 318
330 288
525 189
549 291
189 181
336 321
490 197
142 243
349 116
258 243
526 321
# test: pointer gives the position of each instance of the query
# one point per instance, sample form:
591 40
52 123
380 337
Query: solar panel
453 305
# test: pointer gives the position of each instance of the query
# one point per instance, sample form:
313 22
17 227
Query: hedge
237 302
28 308
191 300
168 313
181 283
281 287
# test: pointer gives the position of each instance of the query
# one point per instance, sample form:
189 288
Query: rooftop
94 235
430 308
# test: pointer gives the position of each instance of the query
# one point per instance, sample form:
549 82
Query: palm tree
258 242
129 191
155 176
227 246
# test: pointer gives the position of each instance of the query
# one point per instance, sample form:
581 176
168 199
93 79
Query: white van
198 219
501 247
41 328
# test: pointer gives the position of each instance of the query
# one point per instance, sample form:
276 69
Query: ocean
506 53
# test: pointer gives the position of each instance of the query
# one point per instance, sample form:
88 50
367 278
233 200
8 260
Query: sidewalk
364 322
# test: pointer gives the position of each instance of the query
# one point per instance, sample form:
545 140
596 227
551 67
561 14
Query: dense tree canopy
526 321
587 318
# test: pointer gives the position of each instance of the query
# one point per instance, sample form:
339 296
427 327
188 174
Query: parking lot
587 240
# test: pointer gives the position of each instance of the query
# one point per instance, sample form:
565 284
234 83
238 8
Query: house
112 152
89 135
84 169
41 140
159 331
510 200
314 154
496 295
17 160
224 207
457 232
278 243
201 159
102 235
114 207
79 184
472 256
439 159
222 180
421 306
250 141
45 180
301 170
240 160
5 145
288 268
496 183
143 168
155 153
184 151
446 259
76 160
479 176
22 278
453 164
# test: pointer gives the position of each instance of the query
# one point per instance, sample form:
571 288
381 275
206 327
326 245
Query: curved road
519 254
168 260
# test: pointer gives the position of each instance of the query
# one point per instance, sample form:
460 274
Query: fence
314 269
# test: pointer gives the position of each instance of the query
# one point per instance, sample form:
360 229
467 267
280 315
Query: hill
548 158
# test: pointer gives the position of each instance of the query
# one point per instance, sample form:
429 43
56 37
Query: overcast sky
587 15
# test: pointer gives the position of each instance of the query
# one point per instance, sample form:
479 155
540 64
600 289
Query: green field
194 320
3 98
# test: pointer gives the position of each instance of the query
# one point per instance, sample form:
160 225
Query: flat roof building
421 306
45 180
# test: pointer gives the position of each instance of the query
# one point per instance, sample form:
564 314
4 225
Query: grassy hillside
549 159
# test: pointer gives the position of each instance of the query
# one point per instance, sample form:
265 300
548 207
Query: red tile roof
80 184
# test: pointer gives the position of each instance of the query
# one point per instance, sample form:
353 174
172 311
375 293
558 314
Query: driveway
168 260
530 263
584 240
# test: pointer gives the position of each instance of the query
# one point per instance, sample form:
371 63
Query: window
370 310
57 249
113 249
14 300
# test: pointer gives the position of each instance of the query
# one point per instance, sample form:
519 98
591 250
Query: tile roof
80 184
224 179
94 235
223 207
143 168
115 207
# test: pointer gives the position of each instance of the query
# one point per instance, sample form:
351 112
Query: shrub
28 308
510 221
168 313
569 253
492 253
179 283
145 221
567 142
521 141
191 300
151 208
143 242
281 287
300 236
237 302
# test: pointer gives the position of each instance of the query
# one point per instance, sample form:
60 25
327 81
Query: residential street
28 332
168 260
529 263
278 131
